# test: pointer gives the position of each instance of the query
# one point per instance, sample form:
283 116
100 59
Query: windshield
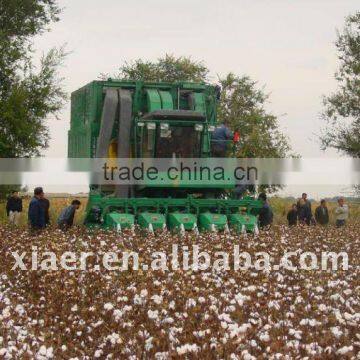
178 141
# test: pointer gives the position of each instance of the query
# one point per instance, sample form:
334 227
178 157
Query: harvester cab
141 120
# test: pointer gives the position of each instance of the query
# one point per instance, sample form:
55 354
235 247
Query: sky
286 46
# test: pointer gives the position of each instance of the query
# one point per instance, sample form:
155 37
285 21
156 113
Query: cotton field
174 311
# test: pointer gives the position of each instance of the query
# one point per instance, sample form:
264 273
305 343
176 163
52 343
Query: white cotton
118 314
144 293
225 317
157 299
42 350
148 344
295 333
20 309
224 324
337 297
264 337
44 353
108 306
153 314
172 305
236 330
161 355
3 352
274 304
310 322
97 324
352 317
98 353
139 300
187 348
251 288
336 331
50 352
190 303
240 298
345 349
168 320
6 313
114 339
339 317
247 356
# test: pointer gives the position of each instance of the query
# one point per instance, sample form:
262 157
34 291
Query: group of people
38 212
301 213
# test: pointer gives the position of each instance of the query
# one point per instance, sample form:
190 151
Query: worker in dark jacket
45 203
265 215
304 210
66 218
36 211
14 208
219 140
292 215
322 213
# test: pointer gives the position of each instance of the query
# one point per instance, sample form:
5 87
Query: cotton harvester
126 119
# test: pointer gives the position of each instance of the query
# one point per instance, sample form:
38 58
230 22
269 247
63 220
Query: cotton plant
180 313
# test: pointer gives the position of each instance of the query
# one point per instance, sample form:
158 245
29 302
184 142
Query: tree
27 94
167 69
241 102
342 108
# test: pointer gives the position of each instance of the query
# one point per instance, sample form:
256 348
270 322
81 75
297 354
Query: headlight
151 126
164 126
211 128
199 127
140 124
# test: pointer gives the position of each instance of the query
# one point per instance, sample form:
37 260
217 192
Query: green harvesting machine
128 119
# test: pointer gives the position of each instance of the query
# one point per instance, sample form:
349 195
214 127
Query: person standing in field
292 215
14 208
45 203
304 210
322 213
266 215
66 218
220 139
36 213
341 212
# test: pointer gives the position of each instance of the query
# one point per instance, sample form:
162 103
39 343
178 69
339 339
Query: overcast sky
285 45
